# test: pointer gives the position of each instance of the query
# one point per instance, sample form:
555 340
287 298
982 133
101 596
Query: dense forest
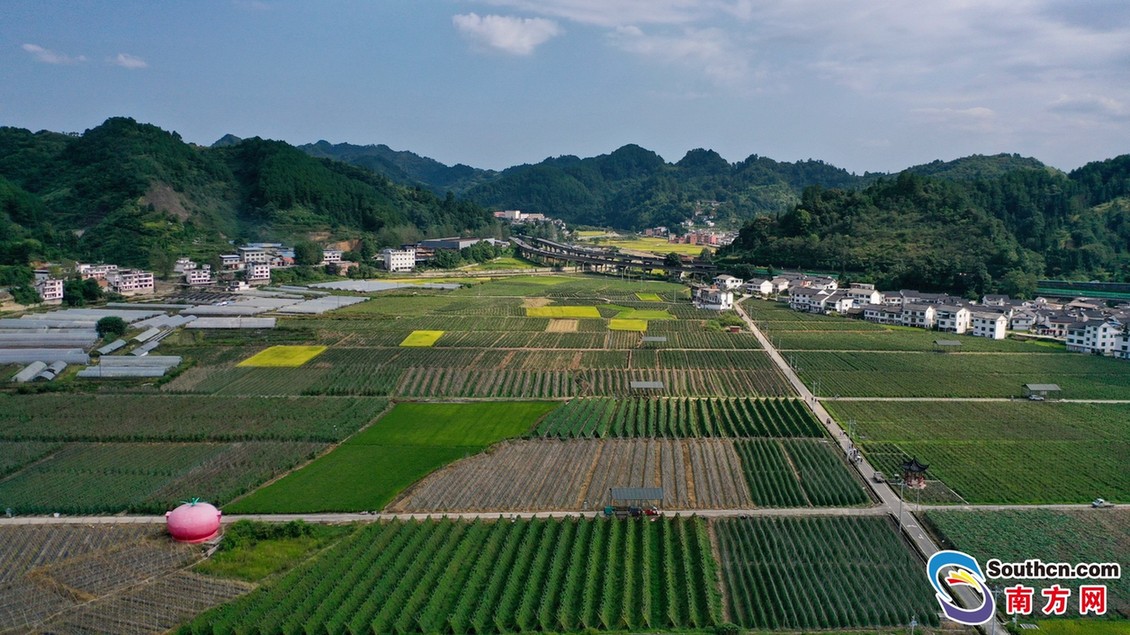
966 235
131 193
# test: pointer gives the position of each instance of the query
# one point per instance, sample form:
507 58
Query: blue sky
867 85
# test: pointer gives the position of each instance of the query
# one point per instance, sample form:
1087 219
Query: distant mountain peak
226 140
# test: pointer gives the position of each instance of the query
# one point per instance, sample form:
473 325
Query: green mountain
401 166
130 193
978 166
634 188
966 235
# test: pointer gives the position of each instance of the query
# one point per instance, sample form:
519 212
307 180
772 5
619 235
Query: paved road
889 501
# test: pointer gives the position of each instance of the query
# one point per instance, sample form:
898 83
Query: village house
1097 337
727 282
50 290
952 318
131 282
714 298
758 286
201 277
399 259
990 325
918 314
258 273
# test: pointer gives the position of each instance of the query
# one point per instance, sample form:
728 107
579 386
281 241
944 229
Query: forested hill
634 188
961 235
130 193
402 166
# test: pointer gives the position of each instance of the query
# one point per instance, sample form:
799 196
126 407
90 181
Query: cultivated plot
1001 452
446 576
283 356
409 442
821 573
575 475
1089 535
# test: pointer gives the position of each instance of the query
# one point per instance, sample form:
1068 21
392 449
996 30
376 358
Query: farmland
283 356
820 573
573 475
868 374
492 577
680 418
124 578
1006 452
143 453
406 444
1049 535
421 338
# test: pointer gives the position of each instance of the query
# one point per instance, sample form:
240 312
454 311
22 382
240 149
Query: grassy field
502 264
1001 452
283 356
409 442
422 338
649 297
1089 535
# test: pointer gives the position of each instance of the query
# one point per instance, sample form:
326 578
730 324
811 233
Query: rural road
873 510
890 501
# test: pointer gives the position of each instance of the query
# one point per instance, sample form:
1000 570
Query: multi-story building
918 314
863 294
758 286
715 299
258 273
249 255
882 314
952 318
98 272
1099 337
231 262
399 259
131 282
727 282
331 256
183 265
199 277
50 290
990 325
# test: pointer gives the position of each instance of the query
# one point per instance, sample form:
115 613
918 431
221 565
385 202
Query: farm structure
123 578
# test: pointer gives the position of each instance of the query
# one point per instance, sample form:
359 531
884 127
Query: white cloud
614 13
1090 105
47 56
974 119
509 34
707 50
125 60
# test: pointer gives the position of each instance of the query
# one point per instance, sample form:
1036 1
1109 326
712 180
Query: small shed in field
1039 391
944 346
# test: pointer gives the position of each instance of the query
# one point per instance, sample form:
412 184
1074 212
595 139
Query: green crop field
1089 535
62 417
862 374
405 445
821 573
895 339
94 478
110 453
680 418
1001 452
447 576
798 472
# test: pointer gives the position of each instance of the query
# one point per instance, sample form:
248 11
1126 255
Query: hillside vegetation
131 193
